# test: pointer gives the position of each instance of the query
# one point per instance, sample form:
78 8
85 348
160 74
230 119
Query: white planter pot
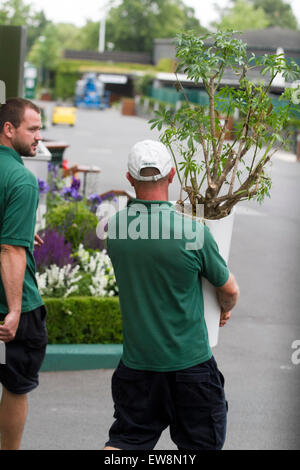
221 230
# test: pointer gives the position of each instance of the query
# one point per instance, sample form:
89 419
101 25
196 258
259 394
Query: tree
69 36
243 16
279 13
90 36
35 26
134 24
17 13
46 52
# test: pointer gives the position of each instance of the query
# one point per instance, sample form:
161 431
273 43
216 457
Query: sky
70 11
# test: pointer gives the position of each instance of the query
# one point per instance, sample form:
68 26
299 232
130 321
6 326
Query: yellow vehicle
64 115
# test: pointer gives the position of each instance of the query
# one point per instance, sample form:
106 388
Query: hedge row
79 320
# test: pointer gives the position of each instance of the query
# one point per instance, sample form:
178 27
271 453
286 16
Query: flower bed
73 262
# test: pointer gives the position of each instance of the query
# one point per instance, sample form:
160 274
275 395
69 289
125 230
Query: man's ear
8 129
172 174
130 178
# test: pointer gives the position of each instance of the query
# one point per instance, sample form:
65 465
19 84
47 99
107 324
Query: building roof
269 39
265 41
272 38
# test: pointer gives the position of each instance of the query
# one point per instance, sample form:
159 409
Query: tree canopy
279 13
134 24
275 13
243 16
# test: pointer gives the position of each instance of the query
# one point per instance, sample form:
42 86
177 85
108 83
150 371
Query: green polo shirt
159 258
19 197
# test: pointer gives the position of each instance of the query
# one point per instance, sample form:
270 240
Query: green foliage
142 84
17 13
65 84
79 320
257 14
73 220
278 12
166 65
70 36
47 49
134 24
90 36
197 133
243 16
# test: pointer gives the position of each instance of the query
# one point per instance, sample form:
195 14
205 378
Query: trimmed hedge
84 320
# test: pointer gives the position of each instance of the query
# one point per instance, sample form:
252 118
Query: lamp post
101 45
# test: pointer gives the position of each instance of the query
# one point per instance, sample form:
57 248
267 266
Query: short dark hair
13 111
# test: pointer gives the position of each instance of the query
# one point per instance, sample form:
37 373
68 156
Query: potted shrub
213 172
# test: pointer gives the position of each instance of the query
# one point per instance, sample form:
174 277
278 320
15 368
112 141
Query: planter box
128 107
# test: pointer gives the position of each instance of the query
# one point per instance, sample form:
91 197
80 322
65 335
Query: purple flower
70 194
43 186
94 198
109 196
55 250
52 168
75 183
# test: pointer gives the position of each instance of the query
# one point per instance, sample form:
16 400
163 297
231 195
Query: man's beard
25 150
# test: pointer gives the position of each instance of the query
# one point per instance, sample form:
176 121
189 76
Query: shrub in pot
213 172
198 133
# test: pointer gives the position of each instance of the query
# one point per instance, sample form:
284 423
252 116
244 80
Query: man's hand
224 317
9 328
37 240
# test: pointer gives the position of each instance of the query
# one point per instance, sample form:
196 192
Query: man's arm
12 268
227 296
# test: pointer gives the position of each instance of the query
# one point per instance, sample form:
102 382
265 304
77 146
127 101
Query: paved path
73 410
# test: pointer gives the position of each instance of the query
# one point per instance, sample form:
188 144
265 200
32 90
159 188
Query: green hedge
84 320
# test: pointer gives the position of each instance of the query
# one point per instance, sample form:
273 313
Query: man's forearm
12 269
227 302
228 294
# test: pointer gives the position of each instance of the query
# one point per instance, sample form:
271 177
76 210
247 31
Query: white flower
64 281
55 279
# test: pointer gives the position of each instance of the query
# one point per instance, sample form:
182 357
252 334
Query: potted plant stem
212 171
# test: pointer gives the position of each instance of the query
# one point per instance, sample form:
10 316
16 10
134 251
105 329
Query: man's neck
157 195
6 142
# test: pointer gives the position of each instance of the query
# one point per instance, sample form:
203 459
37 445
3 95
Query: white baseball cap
149 153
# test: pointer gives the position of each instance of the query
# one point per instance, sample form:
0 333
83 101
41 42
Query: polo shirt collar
148 202
13 153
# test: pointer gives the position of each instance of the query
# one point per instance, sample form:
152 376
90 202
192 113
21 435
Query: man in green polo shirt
167 375
21 307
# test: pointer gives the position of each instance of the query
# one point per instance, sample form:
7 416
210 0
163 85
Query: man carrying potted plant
167 375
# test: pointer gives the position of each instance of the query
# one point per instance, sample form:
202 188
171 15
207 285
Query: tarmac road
73 410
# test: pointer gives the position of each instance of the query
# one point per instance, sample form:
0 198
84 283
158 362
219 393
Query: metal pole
101 46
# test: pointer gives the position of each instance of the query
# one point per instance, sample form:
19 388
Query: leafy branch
199 132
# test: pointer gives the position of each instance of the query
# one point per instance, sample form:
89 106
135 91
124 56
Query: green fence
171 95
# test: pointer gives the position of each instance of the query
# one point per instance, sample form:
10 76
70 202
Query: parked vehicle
64 115
90 93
